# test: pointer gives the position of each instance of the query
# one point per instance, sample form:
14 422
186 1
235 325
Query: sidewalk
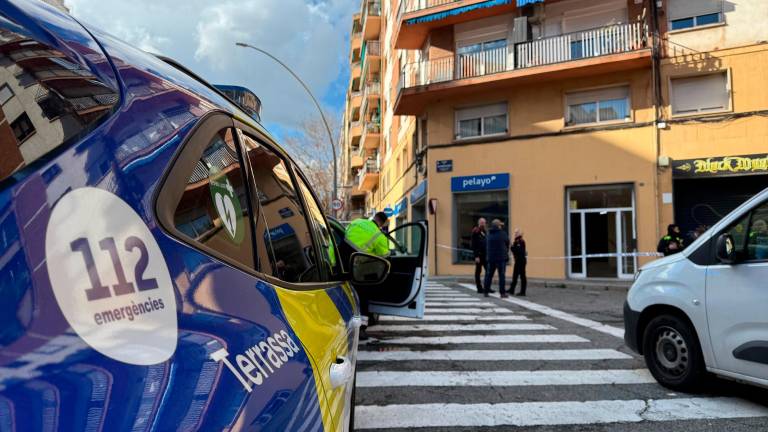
583 284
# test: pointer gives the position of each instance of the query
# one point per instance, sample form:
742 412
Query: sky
310 36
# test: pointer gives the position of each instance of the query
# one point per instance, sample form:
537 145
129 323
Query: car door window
757 239
405 240
213 210
281 223
328 252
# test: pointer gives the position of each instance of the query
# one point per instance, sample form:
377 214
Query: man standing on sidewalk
497 245
478 250
521 260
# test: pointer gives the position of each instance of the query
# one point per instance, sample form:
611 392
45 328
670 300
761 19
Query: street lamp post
317 104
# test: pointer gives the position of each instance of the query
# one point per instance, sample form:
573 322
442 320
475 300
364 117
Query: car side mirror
725 249
368 269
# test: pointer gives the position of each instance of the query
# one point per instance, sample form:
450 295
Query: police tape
600 255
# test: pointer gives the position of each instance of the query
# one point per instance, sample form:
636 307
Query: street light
309 92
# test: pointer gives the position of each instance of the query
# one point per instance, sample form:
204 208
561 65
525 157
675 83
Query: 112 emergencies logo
110 279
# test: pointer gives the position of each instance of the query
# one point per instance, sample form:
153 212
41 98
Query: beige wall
542 167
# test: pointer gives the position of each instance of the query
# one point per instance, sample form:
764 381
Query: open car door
402 292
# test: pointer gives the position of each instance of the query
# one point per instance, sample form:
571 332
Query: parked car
704 309
164 265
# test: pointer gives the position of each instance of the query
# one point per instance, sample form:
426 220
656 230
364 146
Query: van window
46 99
213 209
757 241
281 224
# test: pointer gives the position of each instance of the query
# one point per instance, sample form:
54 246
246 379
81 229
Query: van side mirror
368 269
725 249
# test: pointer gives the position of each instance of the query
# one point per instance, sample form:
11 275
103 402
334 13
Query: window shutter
677 9
700 93
481 111
596 95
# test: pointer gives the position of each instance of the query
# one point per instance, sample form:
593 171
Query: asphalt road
553 361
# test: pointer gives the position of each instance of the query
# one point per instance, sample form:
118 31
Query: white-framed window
597 106
700 94
481 121
685 14
5 94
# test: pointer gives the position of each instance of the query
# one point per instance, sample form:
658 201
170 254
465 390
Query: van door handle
341 372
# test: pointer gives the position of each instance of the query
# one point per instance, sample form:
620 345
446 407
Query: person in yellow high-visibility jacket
366 236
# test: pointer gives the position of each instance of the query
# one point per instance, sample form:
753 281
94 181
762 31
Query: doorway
601 232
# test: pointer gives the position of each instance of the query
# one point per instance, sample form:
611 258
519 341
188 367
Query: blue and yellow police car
164 265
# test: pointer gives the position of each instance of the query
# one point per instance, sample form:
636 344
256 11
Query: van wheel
673 354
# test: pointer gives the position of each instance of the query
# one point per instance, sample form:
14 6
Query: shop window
22 128
684 14
287 251
481 121
598 106
213 210
700 94
468 208
5 94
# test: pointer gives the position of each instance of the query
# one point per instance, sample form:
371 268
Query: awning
458 11
521 3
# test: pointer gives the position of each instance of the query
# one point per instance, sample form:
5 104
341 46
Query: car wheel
673 354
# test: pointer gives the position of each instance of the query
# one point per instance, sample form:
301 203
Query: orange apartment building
590 125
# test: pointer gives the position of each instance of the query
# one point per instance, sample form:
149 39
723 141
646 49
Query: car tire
673 353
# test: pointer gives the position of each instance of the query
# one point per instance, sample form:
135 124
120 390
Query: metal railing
373 48
614 39
372 88
416 5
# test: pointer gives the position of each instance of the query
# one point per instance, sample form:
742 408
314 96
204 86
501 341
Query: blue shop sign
388 211
279 232
419 191
480 182
445 165
400 206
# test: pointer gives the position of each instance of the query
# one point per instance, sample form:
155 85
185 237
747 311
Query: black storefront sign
445 165
720 166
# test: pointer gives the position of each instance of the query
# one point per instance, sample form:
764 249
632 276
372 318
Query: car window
281 224
46 99
213 209
328 252
757 241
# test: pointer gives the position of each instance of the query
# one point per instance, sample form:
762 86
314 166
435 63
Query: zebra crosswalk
476 362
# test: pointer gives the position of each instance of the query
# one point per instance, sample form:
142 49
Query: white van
706 308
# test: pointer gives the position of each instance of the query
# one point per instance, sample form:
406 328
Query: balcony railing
614 39
373 48
372 88
416 5
372 8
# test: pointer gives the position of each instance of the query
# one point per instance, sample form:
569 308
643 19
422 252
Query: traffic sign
337 205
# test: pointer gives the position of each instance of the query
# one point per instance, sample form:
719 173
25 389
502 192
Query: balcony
372 135
355 99
355 129
368 177
355 161
371 19
614 48
419 17
372 90
355 70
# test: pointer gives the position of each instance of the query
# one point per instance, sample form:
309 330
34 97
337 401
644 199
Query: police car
705 309
164 265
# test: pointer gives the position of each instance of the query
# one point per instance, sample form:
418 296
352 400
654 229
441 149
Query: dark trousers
479 267
519 272
501 266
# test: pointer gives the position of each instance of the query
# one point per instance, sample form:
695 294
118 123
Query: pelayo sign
480 182
721 166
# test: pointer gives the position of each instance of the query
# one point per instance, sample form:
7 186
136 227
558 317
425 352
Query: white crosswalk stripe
428 317
484 339
458 349
459 327
502 378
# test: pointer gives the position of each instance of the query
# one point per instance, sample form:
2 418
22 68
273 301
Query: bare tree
311 149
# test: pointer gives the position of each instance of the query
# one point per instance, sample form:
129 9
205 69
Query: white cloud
310 36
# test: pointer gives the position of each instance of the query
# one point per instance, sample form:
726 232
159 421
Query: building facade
589 125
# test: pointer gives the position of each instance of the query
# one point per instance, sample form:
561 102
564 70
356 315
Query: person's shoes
492 291
504 295
479 291
486 295
520 294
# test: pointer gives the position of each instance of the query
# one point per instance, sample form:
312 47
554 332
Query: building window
700 94
684 14
5 94
597 106
468 208
481 121
22 127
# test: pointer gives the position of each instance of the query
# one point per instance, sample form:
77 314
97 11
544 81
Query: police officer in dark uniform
671 243
478 250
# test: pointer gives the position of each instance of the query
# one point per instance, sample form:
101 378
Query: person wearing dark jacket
478 250
497 245
520 255
671 243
